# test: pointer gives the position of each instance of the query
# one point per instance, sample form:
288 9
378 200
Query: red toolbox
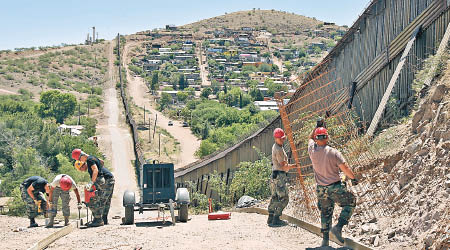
217 215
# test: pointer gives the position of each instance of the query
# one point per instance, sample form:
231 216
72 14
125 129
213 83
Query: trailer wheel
129 215
183 213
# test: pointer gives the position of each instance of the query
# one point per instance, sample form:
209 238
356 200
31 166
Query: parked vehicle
185 124
170 123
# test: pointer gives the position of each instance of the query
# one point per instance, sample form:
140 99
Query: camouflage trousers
65 199
101 202
327 196
32 209
280 194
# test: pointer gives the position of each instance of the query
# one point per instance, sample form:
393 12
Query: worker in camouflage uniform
280 167
327 162
102 179
60 187
32 190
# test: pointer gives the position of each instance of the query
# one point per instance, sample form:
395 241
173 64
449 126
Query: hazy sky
27 23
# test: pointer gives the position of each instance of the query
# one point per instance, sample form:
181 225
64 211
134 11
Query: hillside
270 20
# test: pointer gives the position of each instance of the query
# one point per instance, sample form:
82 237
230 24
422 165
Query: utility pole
93 35
154 128
149 129
79 114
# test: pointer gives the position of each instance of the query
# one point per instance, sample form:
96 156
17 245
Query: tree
190 91
155 80
274 87
206 92
56 104
182 82
256 94
182 96
240 101
165 100
264 67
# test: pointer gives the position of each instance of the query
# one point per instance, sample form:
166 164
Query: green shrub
16 206
9 77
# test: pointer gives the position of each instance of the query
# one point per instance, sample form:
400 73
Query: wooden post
150 129
159 146
154 128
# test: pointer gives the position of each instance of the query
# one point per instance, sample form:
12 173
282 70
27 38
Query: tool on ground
217 215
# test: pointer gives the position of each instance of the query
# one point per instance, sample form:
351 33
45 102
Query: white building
266 105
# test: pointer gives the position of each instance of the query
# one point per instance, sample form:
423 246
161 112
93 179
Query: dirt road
139 92
242 231
115 141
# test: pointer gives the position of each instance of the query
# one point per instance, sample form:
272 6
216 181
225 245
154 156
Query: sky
34 23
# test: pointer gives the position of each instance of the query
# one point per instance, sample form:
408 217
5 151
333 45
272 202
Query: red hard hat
279 133
320 131
65 183
76 154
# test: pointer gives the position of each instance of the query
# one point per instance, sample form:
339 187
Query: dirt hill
270 20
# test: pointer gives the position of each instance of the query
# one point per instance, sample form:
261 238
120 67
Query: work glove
320 123
354 182
79 206
89 186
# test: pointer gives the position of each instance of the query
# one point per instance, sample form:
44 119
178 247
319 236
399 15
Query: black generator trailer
157 192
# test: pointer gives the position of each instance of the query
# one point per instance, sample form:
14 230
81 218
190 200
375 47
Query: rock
414 146
423 152
376 242
372 239
391 234
438 93
373 220
18 229
365 228
447 184
436 216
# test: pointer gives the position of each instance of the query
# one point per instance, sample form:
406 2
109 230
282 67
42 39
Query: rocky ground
414 172
15 234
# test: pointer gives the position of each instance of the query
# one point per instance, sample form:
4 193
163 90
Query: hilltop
271 20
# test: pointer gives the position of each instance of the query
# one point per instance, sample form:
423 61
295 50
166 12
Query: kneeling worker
280 195
32 190
327 162
102 179
60 187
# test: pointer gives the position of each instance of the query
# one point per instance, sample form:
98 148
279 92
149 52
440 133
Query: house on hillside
266 105
73 130
171 27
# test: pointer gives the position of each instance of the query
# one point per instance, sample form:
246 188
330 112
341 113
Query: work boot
337 231
325 240
66 220
277 222
97 222
105 219
270 219
33 223
50 221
